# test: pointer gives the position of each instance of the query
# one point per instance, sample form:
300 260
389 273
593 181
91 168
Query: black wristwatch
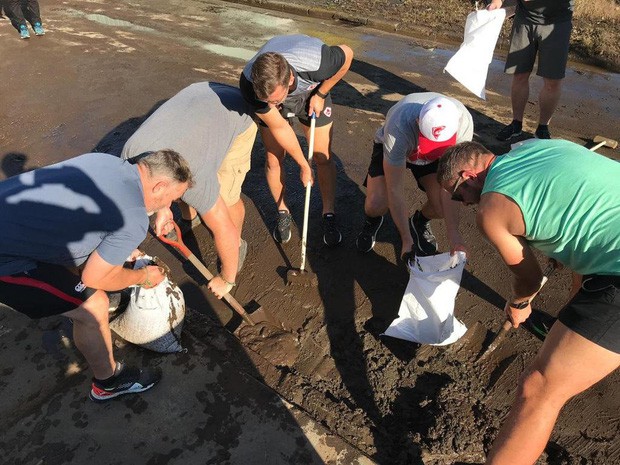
321 94
520 305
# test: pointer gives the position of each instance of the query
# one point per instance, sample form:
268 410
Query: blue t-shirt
60 214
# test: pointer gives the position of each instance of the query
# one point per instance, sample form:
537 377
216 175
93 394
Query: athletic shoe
542 132
38 29
126 380
23 32
331 234
424 241
510 131
366 239
185 226
282 231
243 251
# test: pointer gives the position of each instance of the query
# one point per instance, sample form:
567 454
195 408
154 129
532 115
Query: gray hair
456 158
269 71
167 163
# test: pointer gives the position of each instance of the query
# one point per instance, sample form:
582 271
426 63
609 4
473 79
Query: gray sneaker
424 241
282 231
243 252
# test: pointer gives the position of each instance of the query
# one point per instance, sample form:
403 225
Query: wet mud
107 69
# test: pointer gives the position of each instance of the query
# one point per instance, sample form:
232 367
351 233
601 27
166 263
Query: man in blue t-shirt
562 199
66 231
291 77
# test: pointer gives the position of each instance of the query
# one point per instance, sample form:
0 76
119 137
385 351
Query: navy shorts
594 312
44 291
376 166
297 107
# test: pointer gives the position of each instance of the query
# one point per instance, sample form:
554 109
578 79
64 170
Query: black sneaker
510 131
542 132
126 380
282 231
185 226
424 241
366 239
331 234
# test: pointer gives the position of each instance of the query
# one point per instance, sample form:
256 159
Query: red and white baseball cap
438 123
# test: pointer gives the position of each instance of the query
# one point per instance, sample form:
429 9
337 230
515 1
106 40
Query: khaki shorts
236 165
549 41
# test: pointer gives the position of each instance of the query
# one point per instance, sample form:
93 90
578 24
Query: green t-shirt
570 201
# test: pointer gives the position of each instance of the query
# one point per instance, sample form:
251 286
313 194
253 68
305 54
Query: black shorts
44 291
297 107
594 312
376 166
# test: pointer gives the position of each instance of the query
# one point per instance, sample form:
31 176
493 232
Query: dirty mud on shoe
424 241
366 238
282 231
126 380
331 234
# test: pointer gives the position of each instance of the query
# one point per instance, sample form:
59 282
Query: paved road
87 84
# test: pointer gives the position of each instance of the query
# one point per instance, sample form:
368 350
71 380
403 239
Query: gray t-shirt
201 123
399 133
60 214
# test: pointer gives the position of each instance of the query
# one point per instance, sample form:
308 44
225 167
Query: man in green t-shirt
562 199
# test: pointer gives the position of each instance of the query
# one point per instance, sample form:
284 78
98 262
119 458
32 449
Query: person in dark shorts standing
291 77
563 200
541 27
416 132
66 231
22 12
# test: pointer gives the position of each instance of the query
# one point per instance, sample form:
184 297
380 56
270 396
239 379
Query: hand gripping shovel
501 334
301 276
258 315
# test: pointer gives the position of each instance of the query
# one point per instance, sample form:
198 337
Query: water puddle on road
218 49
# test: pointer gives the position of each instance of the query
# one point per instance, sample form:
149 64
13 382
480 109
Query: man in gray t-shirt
416 132
212 126
66 231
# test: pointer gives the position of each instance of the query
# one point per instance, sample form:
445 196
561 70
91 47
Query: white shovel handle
304 233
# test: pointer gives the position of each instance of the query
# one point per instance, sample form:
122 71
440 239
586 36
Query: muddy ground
103 68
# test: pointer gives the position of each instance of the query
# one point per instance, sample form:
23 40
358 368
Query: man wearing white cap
416 132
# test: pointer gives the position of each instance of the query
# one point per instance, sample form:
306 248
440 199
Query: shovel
259 315
501 334
601 141
301 276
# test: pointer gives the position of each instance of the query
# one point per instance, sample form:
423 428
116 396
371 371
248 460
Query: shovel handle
181 247
304 232
178 244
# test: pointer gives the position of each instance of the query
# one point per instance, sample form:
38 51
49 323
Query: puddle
218 49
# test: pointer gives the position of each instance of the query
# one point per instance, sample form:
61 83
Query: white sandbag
426 313
470 64
154 317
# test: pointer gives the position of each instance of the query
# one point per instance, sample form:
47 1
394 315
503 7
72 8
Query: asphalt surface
86 85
